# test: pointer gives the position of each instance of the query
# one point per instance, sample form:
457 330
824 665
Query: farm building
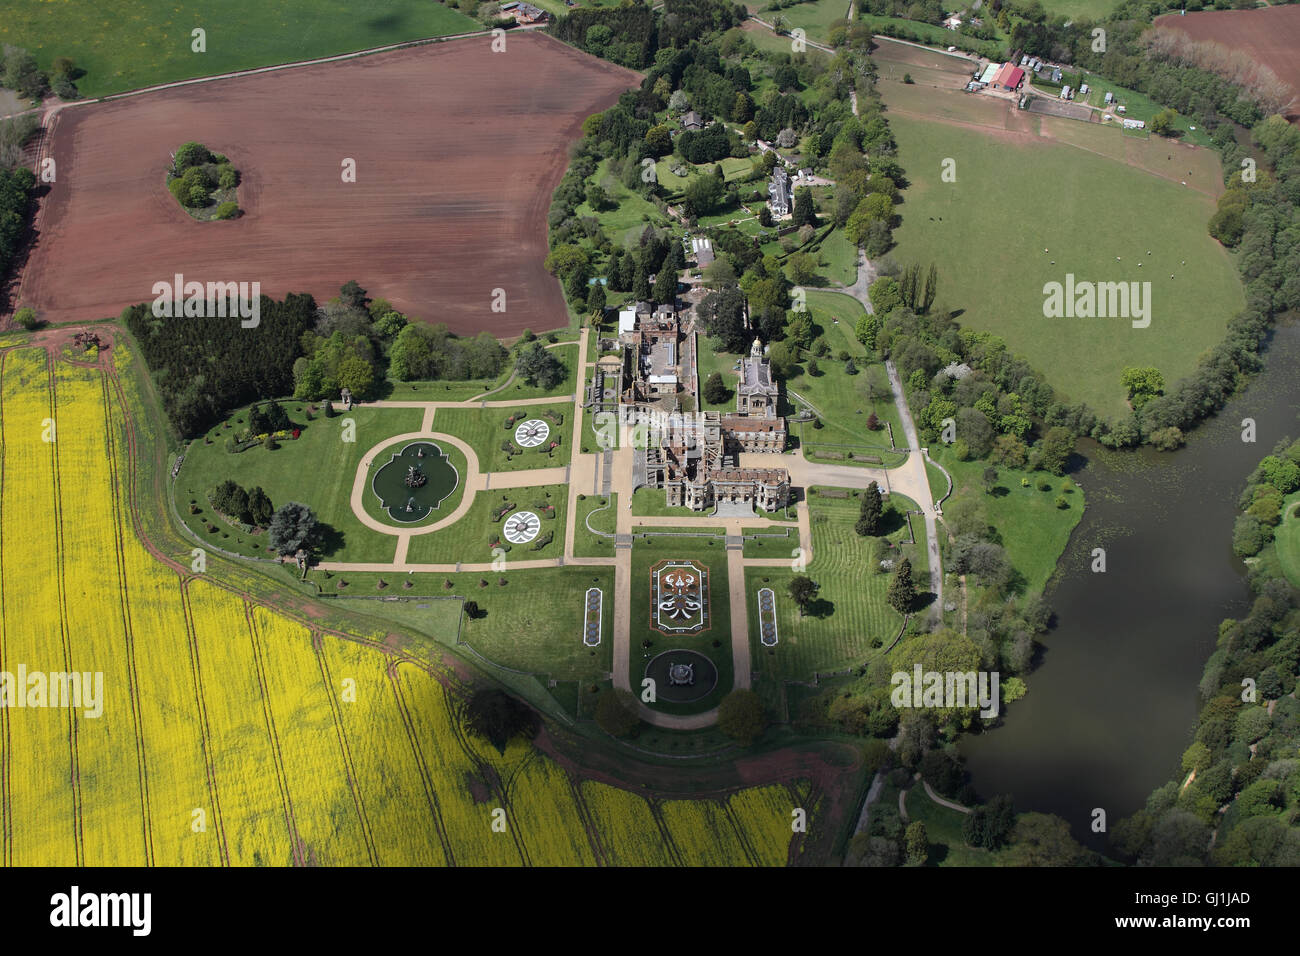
986 77
953 22
525 12
1133 124
1008 77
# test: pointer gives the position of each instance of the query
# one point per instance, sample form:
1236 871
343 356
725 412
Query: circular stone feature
682 676
522 527
414 482
532 433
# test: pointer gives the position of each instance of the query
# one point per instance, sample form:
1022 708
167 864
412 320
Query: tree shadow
891 520
999 491
819 608
330 539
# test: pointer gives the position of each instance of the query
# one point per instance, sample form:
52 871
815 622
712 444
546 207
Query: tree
902 591
802 590
765 217
26 317
596 300
1162 124
191 154
988 826
917 843
293 526
616 712
659 139
715 390
704 193
356 375
665 288
884 295
1143 384
537 366
870 513
1054 450
875 208
351 294
723 313
640 284
260 510
803 267
990 479
740 716
497 717
805 210
931 289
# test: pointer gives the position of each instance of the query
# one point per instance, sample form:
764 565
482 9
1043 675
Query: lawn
483 429
838 258
646 553
586 544
568 356
318 469
1104 217
943 828
129 44
534 623
470 538
630 213
1287 539
814 18
1140 106
1033 530
850 620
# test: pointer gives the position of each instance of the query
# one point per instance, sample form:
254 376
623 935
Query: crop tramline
466 820
255 818
325 812
402 822
41 810
110 759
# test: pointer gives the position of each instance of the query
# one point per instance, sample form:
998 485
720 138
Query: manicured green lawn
851 612
645 555
814 18
650 502
128 44
1105 216
519 390
586 544
1033 530
534 622
1287 539
484 430
318 469
839 258
469 539
771 542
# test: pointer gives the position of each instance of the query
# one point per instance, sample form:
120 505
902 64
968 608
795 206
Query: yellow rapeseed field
232 735
41 803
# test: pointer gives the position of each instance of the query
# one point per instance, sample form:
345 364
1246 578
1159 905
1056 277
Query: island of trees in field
204 183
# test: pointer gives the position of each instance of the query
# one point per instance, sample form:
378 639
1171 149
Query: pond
1114 700
415 482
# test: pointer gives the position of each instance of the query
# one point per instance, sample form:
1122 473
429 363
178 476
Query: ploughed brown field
1269 35
457 151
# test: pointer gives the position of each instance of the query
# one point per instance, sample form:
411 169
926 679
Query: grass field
1287 540
483 429
602 510
813 18
469 539
1033 530
1105 216
127 45
317 469
232 734
849 620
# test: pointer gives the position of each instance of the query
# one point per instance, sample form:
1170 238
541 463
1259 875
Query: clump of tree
715 389
741 717
204 370
536 365
496 717
248 506
15 132
432 353
203 182
870 513
616 712
15 209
